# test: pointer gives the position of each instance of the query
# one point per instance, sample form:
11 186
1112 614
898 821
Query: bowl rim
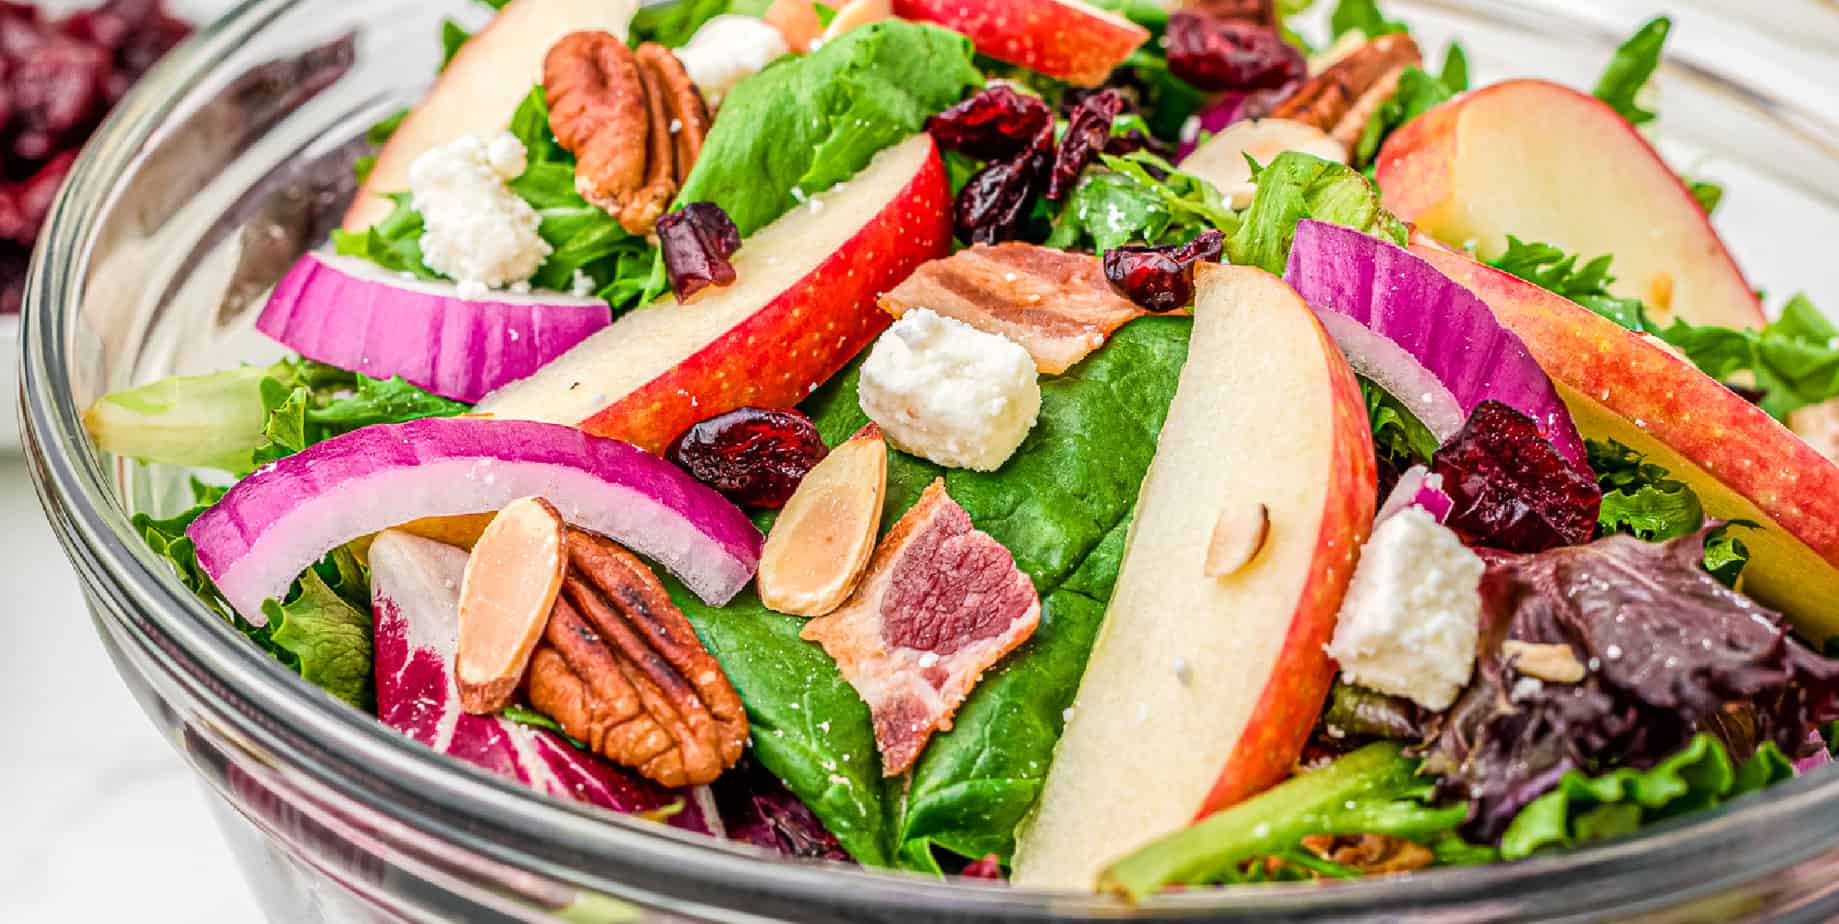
343 752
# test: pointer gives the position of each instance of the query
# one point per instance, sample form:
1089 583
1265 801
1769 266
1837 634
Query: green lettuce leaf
1709 195
1552 269
1633 64
1640 498
202 421
1455 73
393 243
1296 186
1418 92
1061 505
1397 433
1793 361
807 124
1119 201
309 402
1362 16
672 24
1584 808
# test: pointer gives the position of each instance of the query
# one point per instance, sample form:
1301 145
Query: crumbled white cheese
478 232
727 50
945 390
1412 615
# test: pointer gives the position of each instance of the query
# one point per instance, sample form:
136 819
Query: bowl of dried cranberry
63 66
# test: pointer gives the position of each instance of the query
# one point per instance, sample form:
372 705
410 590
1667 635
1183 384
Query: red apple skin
1063 39
1743 463
805 335
1417 173
1291 703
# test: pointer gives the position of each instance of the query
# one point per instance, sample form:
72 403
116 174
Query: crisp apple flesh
803 304
1064 39
1743 464
1200 690
481 88
1544 162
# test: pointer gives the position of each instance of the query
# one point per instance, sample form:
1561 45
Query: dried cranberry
990 867
58 89
997 124
13 261
995 204
1256 12
1086 134
755 456
1512 489
1216 54
697 241
1161 278
23 208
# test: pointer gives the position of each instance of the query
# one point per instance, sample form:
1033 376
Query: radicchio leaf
757 809
1667 647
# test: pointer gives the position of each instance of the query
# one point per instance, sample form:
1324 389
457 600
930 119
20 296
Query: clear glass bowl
233 157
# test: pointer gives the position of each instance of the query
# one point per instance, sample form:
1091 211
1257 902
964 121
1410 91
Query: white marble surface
99 820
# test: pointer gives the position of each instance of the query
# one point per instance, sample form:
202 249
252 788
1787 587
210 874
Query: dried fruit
994 205
1087 133
510 586
1217 54
1256 12
822 541
754 456
1511 488
1161 278
622 671
1238 537
697 241
996 124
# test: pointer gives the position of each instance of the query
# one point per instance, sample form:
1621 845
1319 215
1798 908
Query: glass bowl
234 156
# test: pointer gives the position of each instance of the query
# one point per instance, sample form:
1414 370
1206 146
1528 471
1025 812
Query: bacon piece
1057 305
941 603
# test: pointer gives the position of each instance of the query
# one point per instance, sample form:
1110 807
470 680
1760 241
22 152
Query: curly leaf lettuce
1633 64
1137 199
1295 186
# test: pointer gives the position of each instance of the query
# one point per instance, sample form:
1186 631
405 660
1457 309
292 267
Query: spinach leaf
1552 269
806 124
1585 808
1633 64
1362 16
1296 186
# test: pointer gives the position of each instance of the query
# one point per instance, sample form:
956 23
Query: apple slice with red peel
1063 39
1744 465
512 578
803 303
822 541
481 88
1201 690
1546 163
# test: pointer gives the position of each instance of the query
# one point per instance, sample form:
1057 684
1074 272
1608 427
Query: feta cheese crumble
942 389
1412 616
478 233
727 50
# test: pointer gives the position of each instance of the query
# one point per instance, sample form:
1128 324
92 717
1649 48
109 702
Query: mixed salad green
907 208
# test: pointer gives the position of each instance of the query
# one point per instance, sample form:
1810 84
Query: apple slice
1546 163
1064 39
802 305
1743 463
1201 690
481 88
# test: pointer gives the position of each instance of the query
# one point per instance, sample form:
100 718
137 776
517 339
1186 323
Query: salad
1109 446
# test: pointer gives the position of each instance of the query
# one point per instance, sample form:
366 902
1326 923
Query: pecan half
1341 99
1372 854
622 671
633 119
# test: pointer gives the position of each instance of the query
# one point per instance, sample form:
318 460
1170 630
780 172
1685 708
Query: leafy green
1633 64
1417 93
1725 554
1397 433
1119 201
1062 506
376 136
807 124
453 35
310 402
1362 16
205 421
1584 808
393 243
1552 269
1455 74
1793 361
1641 498
1709 195
672 24
1374 790
1296 186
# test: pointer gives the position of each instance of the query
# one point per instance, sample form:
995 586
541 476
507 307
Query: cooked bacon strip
941 603
1055 304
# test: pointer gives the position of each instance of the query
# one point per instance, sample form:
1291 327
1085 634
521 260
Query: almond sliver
509 589
824 537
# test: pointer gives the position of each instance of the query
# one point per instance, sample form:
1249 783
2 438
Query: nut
797 21
821 543
634 121
1372 854
510 585
1238 536
1341 99
622 671
1554 663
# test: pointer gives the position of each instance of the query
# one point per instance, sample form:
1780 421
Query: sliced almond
1237 538
858 13
823 538
508 591
1554 663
